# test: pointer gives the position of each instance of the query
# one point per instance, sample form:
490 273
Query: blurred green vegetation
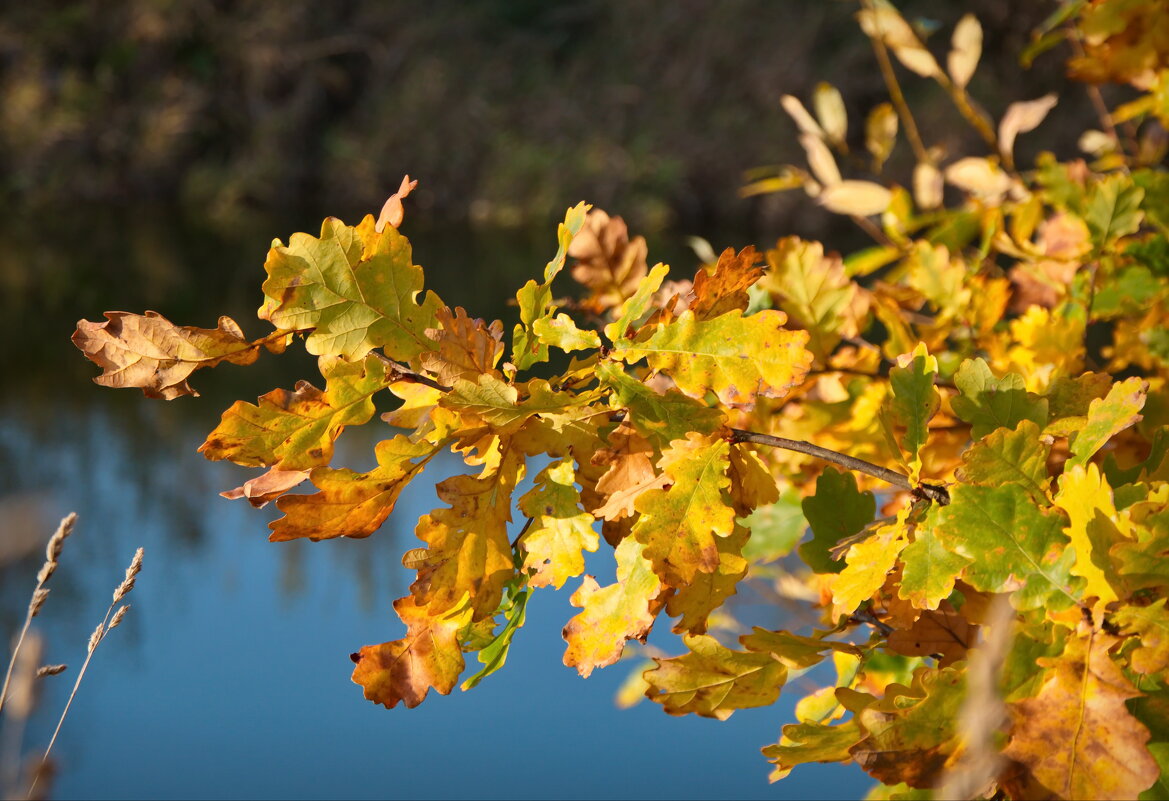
506 110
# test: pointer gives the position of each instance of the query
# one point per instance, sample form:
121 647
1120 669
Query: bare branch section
931 492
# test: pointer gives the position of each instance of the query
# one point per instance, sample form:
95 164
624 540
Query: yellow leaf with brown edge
611 615
869 561
354 288
707 591
559 531
351 504
151 353
296 430
1077 737
404 671
679 524
736 357
912 730
713 681
469 551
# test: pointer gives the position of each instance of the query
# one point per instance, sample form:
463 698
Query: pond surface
230 675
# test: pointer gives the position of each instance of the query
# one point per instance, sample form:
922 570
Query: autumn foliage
961 435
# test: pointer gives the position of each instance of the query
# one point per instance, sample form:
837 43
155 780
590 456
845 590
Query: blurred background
149 152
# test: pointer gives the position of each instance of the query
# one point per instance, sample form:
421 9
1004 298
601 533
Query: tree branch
932 492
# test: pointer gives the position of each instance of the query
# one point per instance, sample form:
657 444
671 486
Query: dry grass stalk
40 593
983 712
95 639
20 706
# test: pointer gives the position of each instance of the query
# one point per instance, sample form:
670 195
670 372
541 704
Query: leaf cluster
989 555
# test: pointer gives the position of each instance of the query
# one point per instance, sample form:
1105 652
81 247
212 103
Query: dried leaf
392 211
966 49
155 355
1022 117
855 198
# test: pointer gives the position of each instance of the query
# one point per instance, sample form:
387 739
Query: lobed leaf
611 615
713 681
560 530
151 353
351 504
1077 738
405 670
738 358
353 289
296 430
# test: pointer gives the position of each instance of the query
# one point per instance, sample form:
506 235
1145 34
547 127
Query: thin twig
409 375
932 492
895 94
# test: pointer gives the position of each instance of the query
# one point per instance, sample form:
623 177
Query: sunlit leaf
713 681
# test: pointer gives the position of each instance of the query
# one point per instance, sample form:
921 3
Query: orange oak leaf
608 263
468 550
611 615
351 504
679 524
725 288
151 353
263 489
296 430
631 472
428 656
941 632
392 211
1077 737
467 347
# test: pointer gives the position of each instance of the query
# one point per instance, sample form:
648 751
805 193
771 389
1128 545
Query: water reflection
230 675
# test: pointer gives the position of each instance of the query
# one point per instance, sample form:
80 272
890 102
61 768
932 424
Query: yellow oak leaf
351 504
1084 494
1151 624
814 292
151 353
1077 737
679 524
736 357
560 530
296 430
355 288
869 562
468 551
611 615
695 601
1047 345
405 670
1108 416
714 681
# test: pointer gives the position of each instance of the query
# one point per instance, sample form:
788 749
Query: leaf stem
896 96
932 492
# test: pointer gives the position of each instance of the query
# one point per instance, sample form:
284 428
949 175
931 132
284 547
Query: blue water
230 676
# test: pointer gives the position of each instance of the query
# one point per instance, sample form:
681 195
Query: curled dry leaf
820 160
980 177
263 489
880 133
151 353
1023 117
927 186
830 112
609 263
392 211
966 49
856 198
800 116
